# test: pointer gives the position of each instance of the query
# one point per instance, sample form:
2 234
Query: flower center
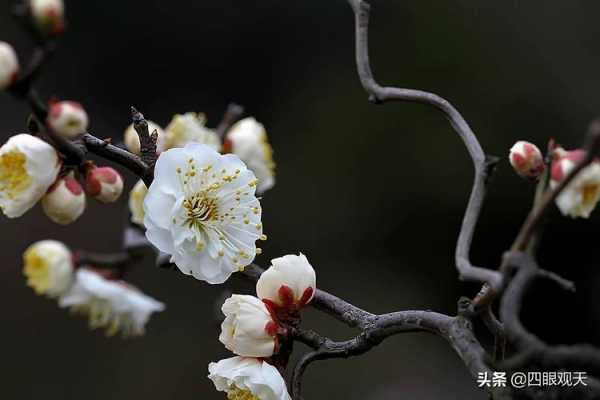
37 272
590 193
235 393
200 209
13 174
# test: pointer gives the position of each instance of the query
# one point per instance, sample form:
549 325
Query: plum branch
508 283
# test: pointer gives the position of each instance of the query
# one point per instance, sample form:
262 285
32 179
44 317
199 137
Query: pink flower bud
527 159
48 15
9 65
65 201
104 184
67 118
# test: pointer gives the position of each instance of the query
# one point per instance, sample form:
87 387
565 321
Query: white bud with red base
65 201
248 329
104 184
527 159
49 15
581 195
67 118
9 65
290 282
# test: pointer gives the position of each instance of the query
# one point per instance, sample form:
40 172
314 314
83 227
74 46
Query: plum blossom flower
581 195
201 209
190 127
248 140
67 118
526 159
28 167
104 184
9 65
290 281
48 15
248 379
132 139
48 267
248 329
113 305
65 201
136 202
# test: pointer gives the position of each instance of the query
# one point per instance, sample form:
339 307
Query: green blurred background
373 195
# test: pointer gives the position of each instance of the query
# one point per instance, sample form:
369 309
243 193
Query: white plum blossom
190 127
9 65
48 267
110 304
202 210
248 379
581 195
527 159
67 118
28 167
132 139
248 140
290 281
136 202
65 201
104 184
48 15
248 329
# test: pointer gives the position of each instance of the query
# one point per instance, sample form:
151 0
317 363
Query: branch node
148 151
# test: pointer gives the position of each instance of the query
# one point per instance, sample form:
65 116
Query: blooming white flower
248 329
28 166
136 202
526 159
132 139
248 140
114 305
48 267
65 201
290 280
190 127
48 15
248 379
67 118
104 184
9 65
581 195
201 209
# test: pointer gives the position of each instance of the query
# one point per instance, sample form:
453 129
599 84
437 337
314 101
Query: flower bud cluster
255 328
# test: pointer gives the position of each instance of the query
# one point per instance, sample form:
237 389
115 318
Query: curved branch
483 164
532 349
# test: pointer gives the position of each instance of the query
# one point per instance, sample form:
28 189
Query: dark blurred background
374 195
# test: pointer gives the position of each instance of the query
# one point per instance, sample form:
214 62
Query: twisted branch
484 165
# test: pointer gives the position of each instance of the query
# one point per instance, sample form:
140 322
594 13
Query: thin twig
483 164
232 114
574 358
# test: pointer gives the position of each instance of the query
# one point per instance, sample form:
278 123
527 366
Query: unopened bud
104 184
9 65
49 15
67 118
65 201
527 159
